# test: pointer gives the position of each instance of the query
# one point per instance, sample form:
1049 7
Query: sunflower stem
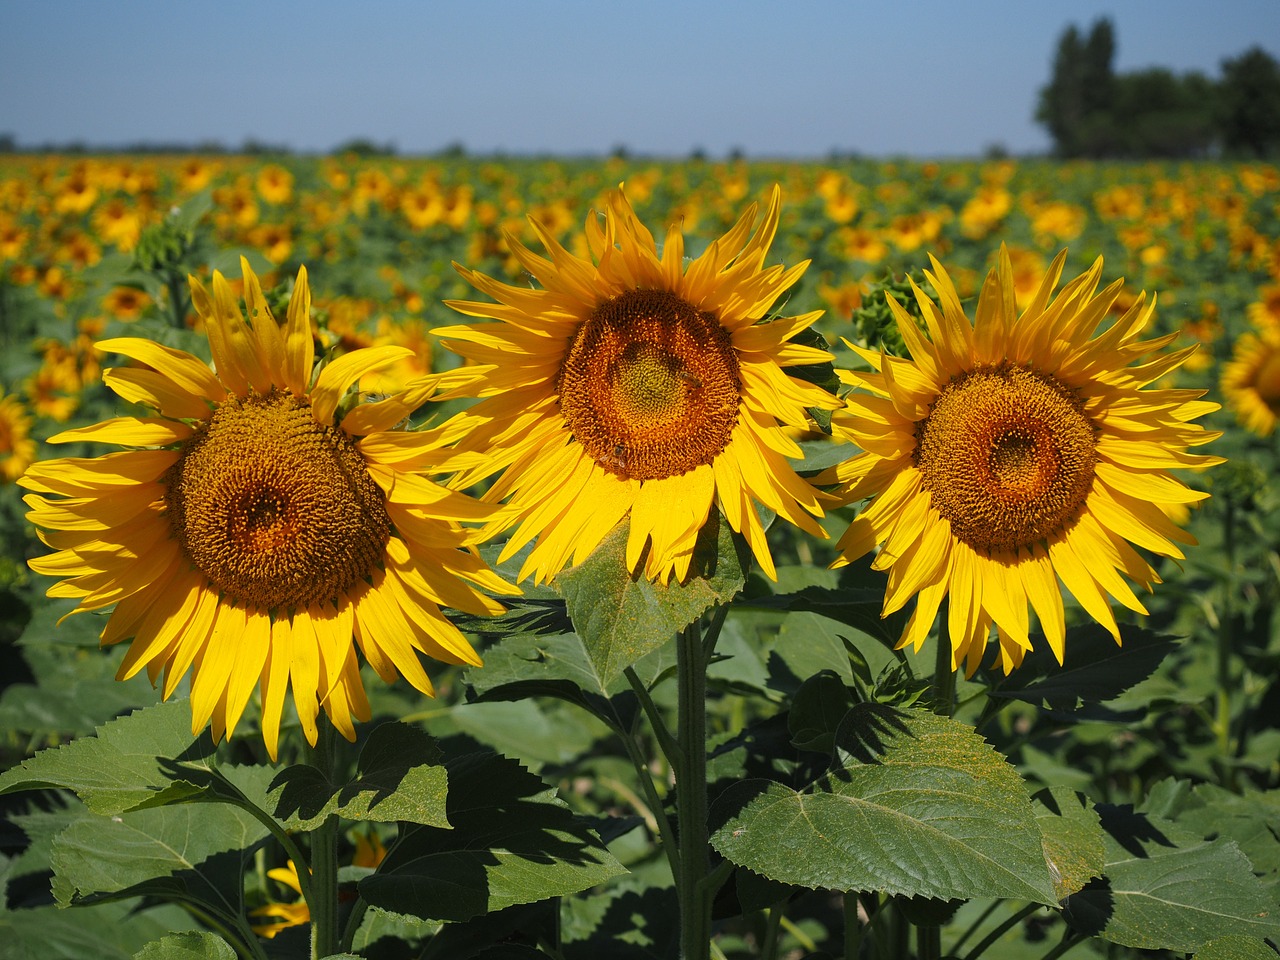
1000 929
667 743
852 926
661 821
1222 721
691 796
929 942
944 672
177 301
323 902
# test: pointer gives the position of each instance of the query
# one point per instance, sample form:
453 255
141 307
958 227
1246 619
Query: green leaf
524 616
856 607
527 730
1094 668
1249 819
74 690
1165 888
126 765
399 777
190 945
118 855
1072 836
381 924
512 842
107 931
549 666
923 807
621 617
1235 948
817 710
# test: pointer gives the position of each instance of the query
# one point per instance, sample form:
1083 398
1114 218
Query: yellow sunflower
17 449
295 913
254 531
1013 452
634 384
1251 381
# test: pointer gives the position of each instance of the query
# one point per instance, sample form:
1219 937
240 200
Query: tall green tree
1076 104
1249 104
1157 113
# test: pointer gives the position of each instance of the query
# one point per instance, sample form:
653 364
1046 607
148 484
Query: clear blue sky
921 78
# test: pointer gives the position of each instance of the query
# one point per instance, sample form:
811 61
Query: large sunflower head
1251 381
636 384
253 532
1014 451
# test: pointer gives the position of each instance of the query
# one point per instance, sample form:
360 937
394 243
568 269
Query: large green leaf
190 945
554 666
379 924
1094 668
74 688
120 855
817 711
398 777
1235 948
1072 836
922 807
621 617
1164 887
512 842
107 931
126 765
856 607
1249 819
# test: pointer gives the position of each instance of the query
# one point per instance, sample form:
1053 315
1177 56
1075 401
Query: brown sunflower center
276 509
650 386
1007 455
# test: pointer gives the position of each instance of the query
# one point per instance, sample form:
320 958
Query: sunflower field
571 558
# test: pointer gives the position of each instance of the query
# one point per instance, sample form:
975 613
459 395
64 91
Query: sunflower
1251 381
1013 452
17 449
254 531
635 385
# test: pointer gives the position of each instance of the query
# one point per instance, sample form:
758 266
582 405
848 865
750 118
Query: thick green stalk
1222 721
177 301
691 795
852 927
323 902
944 675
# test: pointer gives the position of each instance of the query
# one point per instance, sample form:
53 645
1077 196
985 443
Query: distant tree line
1092 111
359 145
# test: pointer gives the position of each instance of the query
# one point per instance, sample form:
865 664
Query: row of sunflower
1002 444
1004 453
1203 235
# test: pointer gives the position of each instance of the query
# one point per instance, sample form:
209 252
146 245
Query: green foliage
191 945
509 842
918 805
1249 98
621 616
398 777
1090 111
1166 888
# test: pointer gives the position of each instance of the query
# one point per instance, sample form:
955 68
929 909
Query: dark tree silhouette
1249 104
